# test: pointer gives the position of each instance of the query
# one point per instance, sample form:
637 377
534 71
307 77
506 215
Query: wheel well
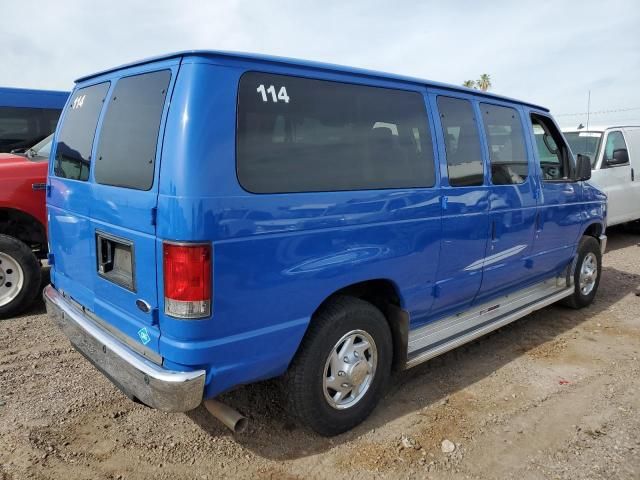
385 296
594 230
25 228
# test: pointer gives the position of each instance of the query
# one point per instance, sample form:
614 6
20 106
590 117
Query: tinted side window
615 141
73 150
129 134
304 135
553 154
505 138
462 142
24 127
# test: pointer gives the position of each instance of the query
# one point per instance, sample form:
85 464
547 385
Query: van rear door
103 234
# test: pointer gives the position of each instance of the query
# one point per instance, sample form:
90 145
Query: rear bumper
137 377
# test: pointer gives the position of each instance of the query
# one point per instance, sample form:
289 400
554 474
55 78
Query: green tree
484 82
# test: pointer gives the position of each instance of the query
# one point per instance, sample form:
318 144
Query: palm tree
469 83
484 83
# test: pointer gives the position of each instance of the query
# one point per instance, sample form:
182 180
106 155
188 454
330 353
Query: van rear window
75 141
303 135
129 134
24 127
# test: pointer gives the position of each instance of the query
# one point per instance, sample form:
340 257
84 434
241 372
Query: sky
546 52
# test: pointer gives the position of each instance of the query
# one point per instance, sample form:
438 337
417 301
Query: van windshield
40 151
585 143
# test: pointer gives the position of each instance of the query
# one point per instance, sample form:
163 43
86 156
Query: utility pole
588 108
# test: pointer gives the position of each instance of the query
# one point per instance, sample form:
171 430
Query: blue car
28 116
216 219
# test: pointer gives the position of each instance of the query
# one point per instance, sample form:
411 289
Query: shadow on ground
423 385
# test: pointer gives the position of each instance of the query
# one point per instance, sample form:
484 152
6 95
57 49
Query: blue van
217 219
28 116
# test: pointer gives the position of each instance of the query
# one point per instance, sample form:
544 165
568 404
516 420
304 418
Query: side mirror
583 167
620 157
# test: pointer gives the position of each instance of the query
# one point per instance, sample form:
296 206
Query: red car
23 225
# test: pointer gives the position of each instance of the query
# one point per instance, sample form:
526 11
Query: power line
601 112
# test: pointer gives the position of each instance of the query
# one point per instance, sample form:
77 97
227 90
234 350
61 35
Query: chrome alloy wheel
349 369
588 273
11 279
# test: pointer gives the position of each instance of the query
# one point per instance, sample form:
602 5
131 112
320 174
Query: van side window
304 135
22 127
505 139
553 153
615 141
462 142
75 141
129 134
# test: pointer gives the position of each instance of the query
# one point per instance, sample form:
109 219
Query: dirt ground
555 395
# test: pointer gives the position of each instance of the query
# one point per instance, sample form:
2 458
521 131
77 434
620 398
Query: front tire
587 275
341 368
20 276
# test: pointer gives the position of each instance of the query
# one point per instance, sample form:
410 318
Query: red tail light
187 280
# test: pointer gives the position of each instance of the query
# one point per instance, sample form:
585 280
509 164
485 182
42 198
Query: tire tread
577 300
299 395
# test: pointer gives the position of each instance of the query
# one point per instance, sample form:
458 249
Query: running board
443 335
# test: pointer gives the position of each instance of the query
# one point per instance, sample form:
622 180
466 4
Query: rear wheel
587 274
19 276
341 368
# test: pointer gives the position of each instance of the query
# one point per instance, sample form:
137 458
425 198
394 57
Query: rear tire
20 276
347 346
587 275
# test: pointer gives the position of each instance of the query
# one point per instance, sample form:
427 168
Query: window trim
161 125
420 90
443 163
485 136
63 116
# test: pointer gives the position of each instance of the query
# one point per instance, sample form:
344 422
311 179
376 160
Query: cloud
545 52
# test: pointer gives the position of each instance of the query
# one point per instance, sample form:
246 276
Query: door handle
105 255
493 230
632 175
568 189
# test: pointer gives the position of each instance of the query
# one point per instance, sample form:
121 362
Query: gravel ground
555 395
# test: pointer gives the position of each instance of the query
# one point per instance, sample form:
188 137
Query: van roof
28 98
598 128
309 65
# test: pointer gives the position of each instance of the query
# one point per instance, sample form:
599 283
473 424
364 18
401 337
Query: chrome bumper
137 377
603 243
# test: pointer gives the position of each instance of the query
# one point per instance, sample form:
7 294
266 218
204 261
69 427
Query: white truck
615 163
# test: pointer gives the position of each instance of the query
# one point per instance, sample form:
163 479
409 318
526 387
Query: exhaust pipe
227 415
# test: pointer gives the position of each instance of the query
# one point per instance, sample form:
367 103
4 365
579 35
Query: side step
448 333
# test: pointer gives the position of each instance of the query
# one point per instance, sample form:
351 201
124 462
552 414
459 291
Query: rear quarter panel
276 257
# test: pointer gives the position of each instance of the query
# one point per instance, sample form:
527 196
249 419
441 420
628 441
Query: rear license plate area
115 258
